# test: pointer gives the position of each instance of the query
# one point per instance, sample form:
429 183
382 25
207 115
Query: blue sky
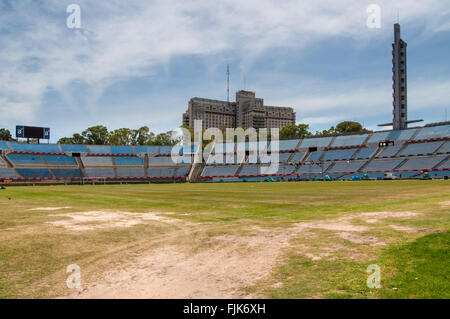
136 63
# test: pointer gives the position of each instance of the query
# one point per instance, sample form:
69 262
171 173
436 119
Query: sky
134 63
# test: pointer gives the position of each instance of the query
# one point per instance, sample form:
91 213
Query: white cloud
123 39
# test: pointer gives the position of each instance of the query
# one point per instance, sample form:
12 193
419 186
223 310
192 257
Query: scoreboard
32 132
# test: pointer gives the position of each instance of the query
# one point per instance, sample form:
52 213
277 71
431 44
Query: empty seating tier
365 153
389 151
336 155
35 148
342 167
382 165
128 161
445 149
99 149
421 163
229 170
97 161
431 132
25 159
316 142
421 149
146 149
59 160
74 148
349 140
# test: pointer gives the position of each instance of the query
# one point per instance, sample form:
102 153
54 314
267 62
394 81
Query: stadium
354 215
416 153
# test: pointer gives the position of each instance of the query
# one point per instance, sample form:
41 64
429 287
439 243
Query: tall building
399 78
247 111
399 83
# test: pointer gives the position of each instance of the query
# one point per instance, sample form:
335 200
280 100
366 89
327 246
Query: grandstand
406 153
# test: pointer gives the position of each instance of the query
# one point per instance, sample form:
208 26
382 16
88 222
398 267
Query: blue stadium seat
366 153
99 149
165 150
182 171
336 155
128 161
379 137
421 163
342 167
121 149
316 142
315 156
313 168
389 151
402 135
74 148
97 161
34 172
146 149
124 172
161 160
37 148
382 165
229 170
420 149
6 172
298 157
4 146
59 160
434 132
25 159
67 173
99 172
445 149
350 140
161 172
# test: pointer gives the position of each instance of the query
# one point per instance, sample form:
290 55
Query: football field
367 239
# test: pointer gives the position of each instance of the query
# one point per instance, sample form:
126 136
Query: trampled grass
319 262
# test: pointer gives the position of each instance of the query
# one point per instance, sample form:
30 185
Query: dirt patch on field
414 229
445 203
49 208
219 266
92 220
361 239
217 272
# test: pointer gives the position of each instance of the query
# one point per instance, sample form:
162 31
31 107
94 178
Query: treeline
302 130
99 135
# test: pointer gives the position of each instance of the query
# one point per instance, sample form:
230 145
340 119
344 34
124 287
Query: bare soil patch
221 266
49 208
82 221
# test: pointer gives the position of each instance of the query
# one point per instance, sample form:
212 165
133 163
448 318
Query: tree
295 131
142 136
350 127
5 135
164 139
96 135
121 136
75 139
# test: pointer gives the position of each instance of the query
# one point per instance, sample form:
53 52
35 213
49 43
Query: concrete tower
399 78
399 83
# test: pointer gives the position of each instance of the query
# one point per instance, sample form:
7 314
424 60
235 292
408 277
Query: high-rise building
247 111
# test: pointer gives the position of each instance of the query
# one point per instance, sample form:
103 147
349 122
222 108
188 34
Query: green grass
33 255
